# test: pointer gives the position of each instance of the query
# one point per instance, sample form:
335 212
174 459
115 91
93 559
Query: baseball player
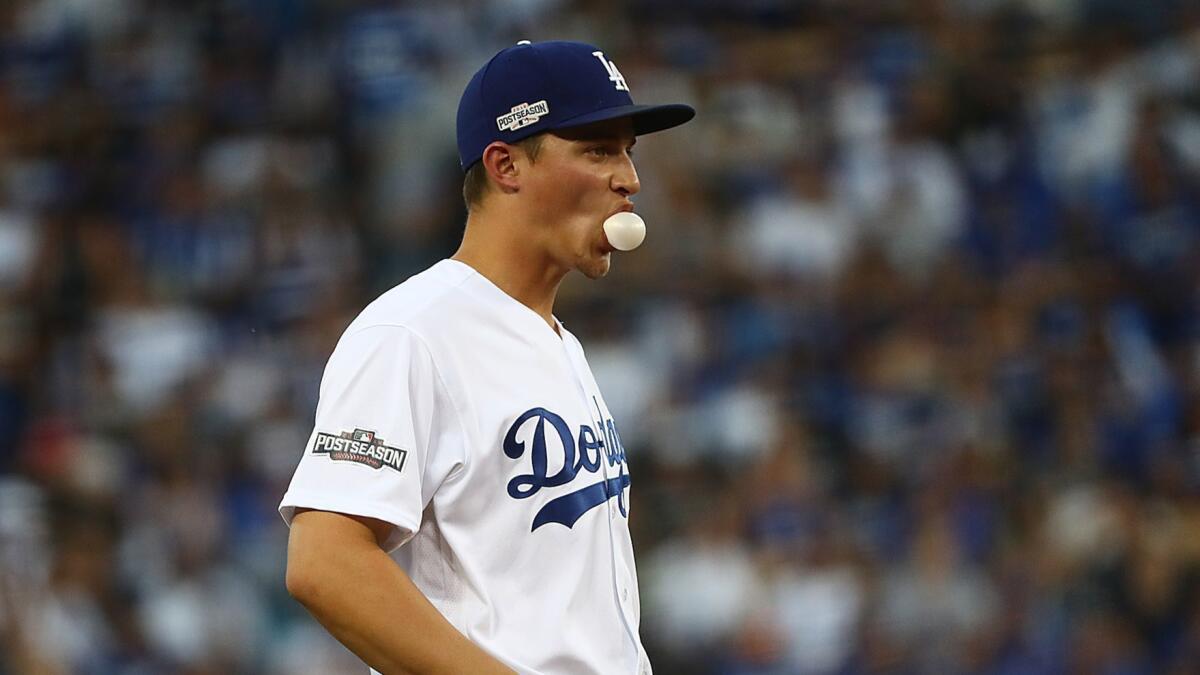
462 504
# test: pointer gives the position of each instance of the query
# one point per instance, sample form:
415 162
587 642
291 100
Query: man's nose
625 179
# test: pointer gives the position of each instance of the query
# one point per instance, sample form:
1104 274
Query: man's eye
597 151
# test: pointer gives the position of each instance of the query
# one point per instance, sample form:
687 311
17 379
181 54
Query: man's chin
596 268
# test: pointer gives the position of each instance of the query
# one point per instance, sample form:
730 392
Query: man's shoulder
418 303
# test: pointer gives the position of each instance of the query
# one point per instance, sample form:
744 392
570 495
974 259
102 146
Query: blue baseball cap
534 87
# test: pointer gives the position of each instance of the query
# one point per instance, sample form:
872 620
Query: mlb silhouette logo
364 436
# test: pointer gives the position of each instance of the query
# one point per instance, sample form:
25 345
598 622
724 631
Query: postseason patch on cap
522 115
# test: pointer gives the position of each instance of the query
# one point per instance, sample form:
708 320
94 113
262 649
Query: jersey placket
622 579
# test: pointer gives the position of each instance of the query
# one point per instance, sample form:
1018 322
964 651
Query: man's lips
627 206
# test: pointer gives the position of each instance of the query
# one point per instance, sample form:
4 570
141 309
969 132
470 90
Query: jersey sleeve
385 434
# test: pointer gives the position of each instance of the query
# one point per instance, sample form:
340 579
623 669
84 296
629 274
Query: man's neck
496 250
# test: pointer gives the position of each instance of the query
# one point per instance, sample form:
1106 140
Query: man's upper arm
343 524
317 537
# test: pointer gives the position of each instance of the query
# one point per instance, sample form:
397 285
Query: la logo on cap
614 75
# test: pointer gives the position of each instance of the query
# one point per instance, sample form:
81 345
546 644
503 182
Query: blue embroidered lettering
584 453
590 448
528 485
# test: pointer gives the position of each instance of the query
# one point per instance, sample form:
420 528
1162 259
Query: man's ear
500 161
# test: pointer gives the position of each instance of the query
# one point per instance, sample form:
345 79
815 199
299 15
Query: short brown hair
475 183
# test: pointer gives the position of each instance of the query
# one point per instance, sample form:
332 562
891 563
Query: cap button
524 42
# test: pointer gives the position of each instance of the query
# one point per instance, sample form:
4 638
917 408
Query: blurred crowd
908 368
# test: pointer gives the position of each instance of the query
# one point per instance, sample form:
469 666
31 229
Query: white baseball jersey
455 413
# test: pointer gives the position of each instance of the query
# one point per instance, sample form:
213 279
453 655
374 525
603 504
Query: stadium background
908 365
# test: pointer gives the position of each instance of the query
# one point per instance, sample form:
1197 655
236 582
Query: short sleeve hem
403 527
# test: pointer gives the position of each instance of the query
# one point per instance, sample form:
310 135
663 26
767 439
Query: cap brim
647 119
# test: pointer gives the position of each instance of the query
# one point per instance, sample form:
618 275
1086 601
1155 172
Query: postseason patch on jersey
360 446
